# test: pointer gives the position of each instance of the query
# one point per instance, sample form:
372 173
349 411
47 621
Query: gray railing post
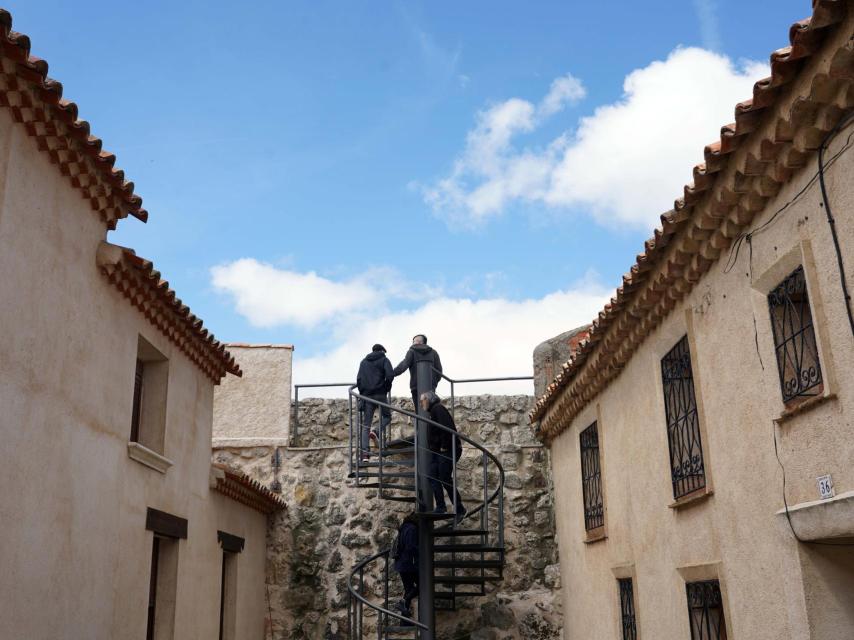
295 431
426 610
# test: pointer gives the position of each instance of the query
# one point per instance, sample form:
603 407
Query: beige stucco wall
75 553
737 532
254 410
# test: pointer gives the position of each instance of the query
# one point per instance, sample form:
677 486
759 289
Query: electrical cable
741 238
786 503
830 219
819 176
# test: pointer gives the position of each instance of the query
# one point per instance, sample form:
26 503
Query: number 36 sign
825 487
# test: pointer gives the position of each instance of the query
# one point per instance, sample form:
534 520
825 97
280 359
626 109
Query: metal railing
297 387
357 601
453 382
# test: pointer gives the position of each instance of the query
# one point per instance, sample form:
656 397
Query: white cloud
564 90
625 163
476 338
489 337
267 296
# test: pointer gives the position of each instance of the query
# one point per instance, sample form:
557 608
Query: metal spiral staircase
458 557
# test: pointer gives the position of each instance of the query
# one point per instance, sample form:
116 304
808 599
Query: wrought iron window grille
794 338
705 610
591 478
687 469
627 609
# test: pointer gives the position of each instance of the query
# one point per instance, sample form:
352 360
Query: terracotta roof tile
140 283
35 101
691 237
244 489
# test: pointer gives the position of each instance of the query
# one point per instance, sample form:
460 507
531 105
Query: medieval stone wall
328 526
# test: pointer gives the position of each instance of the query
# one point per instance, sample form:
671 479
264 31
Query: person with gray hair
419 351
445 449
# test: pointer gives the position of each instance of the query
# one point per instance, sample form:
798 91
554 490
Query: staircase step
466 548
443 532
387 485
384 474
451 595
410 499
465 579
468 564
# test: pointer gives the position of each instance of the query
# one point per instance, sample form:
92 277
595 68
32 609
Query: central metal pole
424 502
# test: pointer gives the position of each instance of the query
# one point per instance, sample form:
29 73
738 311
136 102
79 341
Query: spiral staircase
463 555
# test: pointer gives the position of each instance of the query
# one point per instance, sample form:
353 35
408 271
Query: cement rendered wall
255 409
76 555
328 526
737 534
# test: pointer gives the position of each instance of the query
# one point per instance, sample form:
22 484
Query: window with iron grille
627 609
794 338
706 610
591 478
687 470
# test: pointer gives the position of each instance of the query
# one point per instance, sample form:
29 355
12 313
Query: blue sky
331 174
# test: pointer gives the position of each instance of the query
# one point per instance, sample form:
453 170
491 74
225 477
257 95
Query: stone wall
328 526
551 354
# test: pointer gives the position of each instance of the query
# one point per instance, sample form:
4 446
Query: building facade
114 523
702 436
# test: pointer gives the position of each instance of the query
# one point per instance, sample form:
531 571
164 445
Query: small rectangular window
794 338
687 468
591 478
228 597
137 401
162 588
706 610
150 385
627 609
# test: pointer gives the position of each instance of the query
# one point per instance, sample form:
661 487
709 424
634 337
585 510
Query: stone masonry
328 525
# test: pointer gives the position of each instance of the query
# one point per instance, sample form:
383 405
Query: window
137 401
794 339
163 579
705 610
150 383
591 479
162 588
231 546
627 609
687 470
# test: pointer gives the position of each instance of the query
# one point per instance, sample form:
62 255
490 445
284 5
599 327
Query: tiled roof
774 134
140 283
35 101
240 487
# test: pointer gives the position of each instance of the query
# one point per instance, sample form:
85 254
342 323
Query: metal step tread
465 579
399 498
384 474
466 548
468 564
443 532
386 485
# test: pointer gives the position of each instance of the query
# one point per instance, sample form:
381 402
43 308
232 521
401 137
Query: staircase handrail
358 596
463 437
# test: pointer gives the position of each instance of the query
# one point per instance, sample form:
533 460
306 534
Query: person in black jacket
419 351
446 448
405 555
374 381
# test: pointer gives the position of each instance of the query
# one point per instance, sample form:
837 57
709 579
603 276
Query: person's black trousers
441 480
410 586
